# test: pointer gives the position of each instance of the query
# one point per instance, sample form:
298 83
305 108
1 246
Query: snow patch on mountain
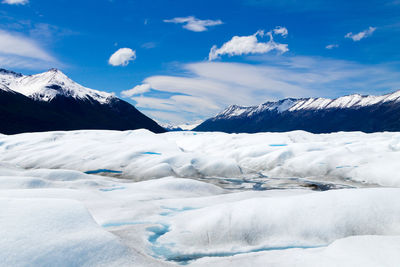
181 127
292 104
350 101
5 88
236 111
47 85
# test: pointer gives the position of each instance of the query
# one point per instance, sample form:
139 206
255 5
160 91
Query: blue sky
331 48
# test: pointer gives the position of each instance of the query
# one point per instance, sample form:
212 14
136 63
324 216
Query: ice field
134 198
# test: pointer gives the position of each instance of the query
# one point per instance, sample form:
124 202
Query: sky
181 61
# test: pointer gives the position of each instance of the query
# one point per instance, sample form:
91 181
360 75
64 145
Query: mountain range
51 101
317 115
181 127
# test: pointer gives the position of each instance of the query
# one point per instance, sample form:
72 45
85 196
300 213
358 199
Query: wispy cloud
18 62
205 88
48 33
149 45
23 44
186 103
19 51
243 45
194 24
361 35
168 117
15 2
19 45
281 30
43 33
137 90
331 46
122 57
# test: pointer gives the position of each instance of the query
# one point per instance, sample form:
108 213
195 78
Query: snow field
53 213
43 232
141 155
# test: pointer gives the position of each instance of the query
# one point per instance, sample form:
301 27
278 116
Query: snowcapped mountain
52 101
5 88
320 115
292 104
181 127
47 85
238 111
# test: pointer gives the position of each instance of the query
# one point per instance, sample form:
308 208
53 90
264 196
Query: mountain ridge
293 104
318 115
51 101
47 85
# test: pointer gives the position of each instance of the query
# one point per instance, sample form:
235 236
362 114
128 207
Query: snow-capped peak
233 110
10 73
47 85
5 88
184 127
293 104
6 76
349 101
236 111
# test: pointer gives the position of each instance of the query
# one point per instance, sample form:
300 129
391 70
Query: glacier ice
142 155
134 198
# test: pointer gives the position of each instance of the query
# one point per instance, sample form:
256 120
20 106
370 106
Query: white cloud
209 87
48 33
281 30
177 108
122 56
137 90
194 24
242 45
361 35
18 45
192 104
166 117
15 2
331 46
17 62
18 51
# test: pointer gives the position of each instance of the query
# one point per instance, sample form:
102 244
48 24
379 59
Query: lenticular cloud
194 24
15 2
361 35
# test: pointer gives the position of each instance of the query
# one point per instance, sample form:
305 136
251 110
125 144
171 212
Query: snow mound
39 232
366 251
352 157
305 221
76 199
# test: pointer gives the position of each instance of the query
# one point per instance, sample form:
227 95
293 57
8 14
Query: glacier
135 198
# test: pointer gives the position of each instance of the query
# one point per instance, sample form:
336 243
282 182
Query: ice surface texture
39 232
52 213
141 155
